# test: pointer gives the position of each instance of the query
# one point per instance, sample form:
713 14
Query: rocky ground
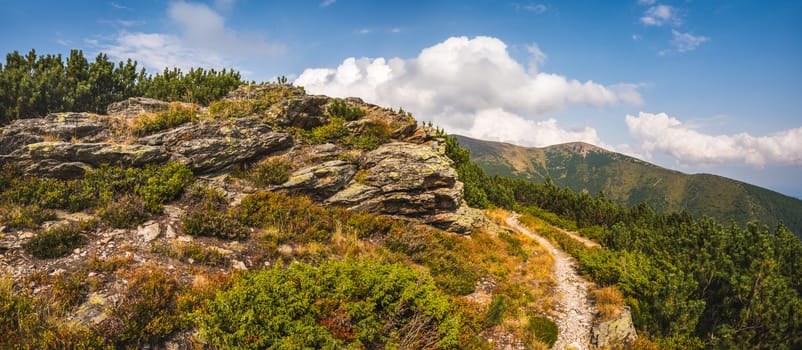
574 310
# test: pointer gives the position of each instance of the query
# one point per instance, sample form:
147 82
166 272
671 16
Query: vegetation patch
124 212
270 171
542 329
58 241
175 115
208 216
341 109
147 313
340 304
24 216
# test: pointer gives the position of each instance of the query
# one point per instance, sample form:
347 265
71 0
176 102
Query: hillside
630 181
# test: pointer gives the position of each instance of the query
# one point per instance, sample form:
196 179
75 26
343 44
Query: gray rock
97 153
305 112
136 105
320 181
616 332
213 145
401 166
149 231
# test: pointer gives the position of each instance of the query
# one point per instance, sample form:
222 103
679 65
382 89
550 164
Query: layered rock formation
402 172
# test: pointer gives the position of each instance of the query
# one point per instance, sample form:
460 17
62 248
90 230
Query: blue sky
697 86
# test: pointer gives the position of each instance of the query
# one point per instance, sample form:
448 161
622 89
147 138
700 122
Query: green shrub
451 270
210 223
58 241
202 255
496 310
147 312
370 137
334 131
297 218
126 211
541 329
232 108
340 304
176 115
207 216
162 184
341 109
18 319
25 216
270 172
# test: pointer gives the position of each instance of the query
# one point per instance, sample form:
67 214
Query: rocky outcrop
205 147
135 106
408 177
320 181
213 145
616 332
410 180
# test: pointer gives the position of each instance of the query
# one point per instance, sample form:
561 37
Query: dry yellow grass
609 302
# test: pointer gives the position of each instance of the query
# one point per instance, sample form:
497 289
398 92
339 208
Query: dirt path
588 243
574 310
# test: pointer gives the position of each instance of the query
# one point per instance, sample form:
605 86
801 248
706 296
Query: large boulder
414 181
97 153
209 146
322 180
135 106
616 332
55 126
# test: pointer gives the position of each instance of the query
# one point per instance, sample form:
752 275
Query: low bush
340 304
297 218
147 312
58 241
175 115
541 329
208 216
24 216
202 255
124 212
271 171
341 109
233 108
496 310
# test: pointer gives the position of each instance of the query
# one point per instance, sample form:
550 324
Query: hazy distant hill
629 181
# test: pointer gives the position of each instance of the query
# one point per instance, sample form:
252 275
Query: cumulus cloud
684 42
202 40
660 15
663 133
471 86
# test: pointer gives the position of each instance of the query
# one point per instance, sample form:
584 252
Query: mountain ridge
629 181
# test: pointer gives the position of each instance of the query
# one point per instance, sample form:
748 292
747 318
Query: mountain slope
630 181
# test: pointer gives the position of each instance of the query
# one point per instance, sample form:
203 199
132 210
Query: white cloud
364 31
662 133
203 40
118 6
326 3
536 57
646 2
470 86
536 8
661 15
395 30
684 42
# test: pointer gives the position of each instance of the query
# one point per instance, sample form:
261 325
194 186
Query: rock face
616 332
405 179
408 176
211 146
135 106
